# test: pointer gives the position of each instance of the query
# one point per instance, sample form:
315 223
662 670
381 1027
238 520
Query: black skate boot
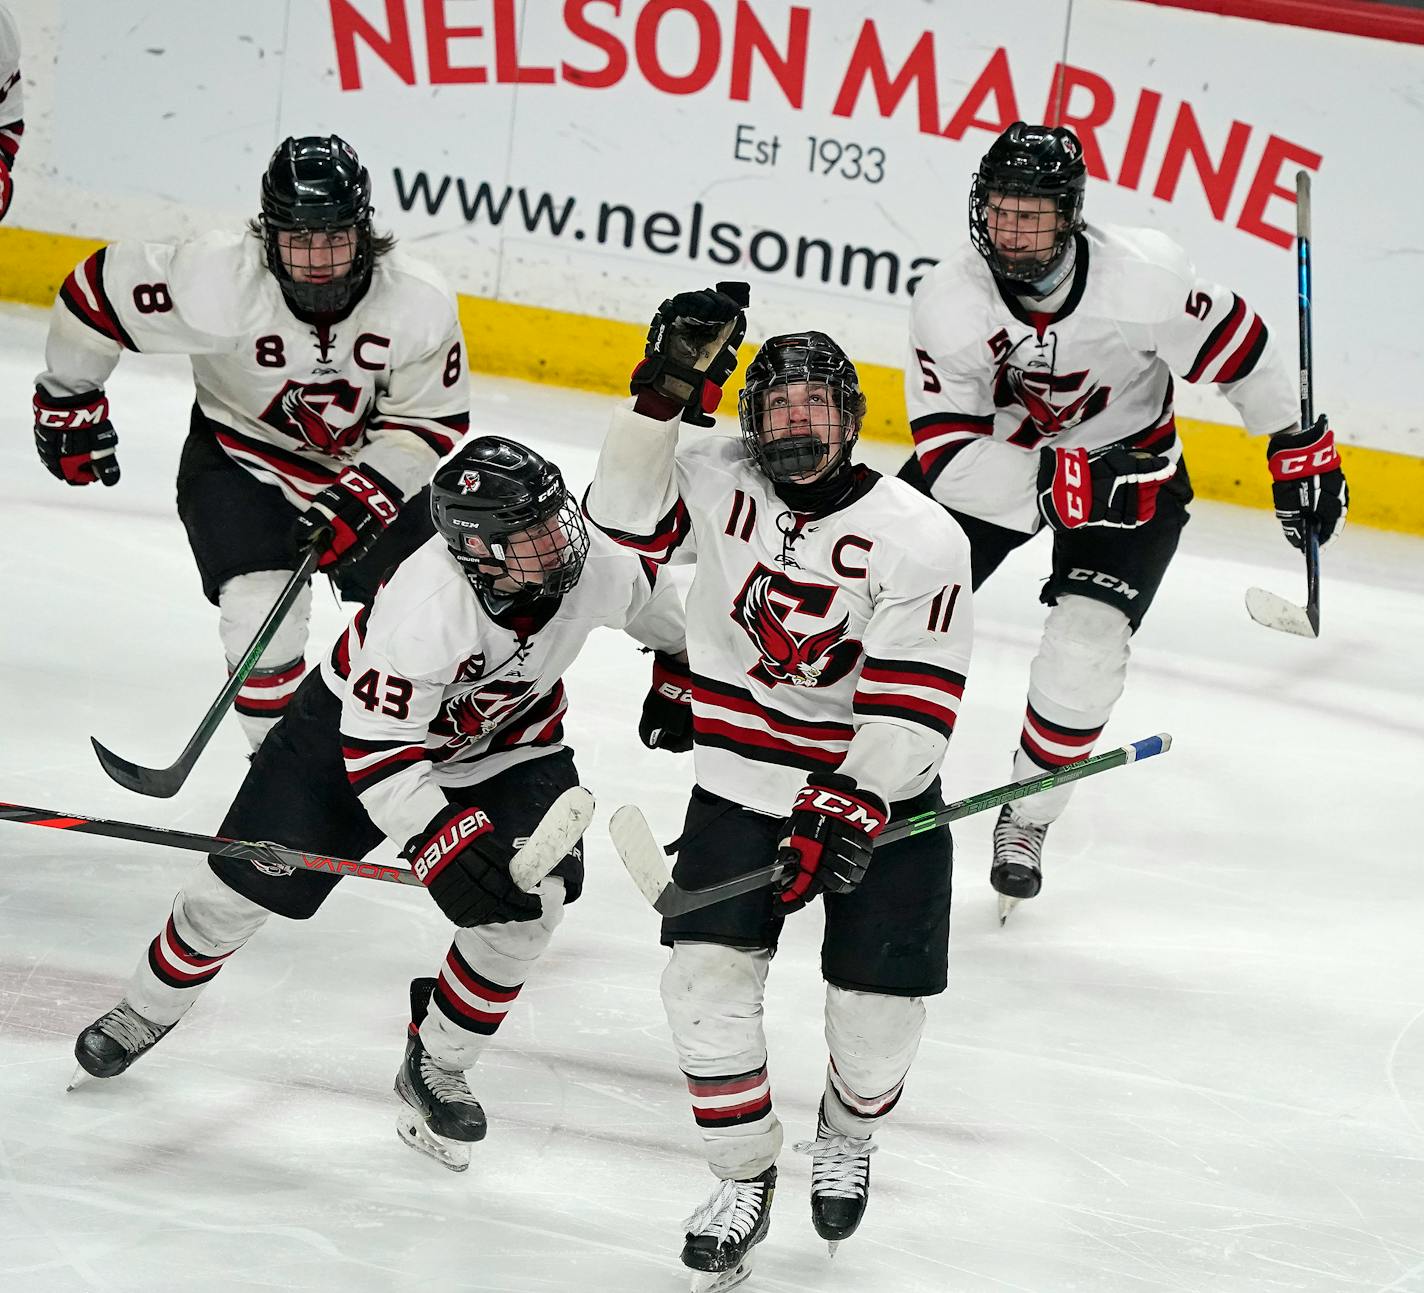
442 1117
840 1180
113 1042
1017 871
723 1231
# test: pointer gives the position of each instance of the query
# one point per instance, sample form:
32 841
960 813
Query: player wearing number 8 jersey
435 722
1040 394
829 629
330 380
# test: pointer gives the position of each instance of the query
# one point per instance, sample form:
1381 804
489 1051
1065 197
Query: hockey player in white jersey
12 107
330 381
437 722
829 630
1039 386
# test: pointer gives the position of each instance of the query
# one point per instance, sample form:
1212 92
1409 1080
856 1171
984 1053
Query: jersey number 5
931 377
396 702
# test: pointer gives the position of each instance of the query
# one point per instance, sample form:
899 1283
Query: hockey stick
1263 606
647 864
164 783
558 831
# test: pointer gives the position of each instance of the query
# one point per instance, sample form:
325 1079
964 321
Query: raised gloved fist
1115 486
691 350
828 838
347 517
1308 483
466 868
74 437
666 723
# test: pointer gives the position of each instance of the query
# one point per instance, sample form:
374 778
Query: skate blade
82 1077
721 1281
831 1246
1006 905
454 1154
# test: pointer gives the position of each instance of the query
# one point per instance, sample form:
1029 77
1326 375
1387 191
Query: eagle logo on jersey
1024 375
471 716
325 416
819 659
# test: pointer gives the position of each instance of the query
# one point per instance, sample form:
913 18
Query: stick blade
160 783
640 853
1276 613
549 842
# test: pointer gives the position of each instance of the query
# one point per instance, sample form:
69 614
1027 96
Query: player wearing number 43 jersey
1040 393
829 631
436 722
330 380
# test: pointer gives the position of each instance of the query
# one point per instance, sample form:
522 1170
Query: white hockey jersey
816 642
988 382
12 97
437 693
292 402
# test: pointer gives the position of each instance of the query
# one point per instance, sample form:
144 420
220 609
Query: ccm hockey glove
347 517
466 868
1115 486
1308 482
74 437
691 350
666 723
828 838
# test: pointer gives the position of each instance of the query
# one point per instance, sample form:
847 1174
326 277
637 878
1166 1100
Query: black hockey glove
1115 486
1308 482
347 517
74 437
666 723
828 838
691 350
466 868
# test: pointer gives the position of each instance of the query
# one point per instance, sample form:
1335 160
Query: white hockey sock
1074 682
244 602
209 923
484 970
713 998
872 1040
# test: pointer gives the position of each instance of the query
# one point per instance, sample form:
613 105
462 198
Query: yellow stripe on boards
525 341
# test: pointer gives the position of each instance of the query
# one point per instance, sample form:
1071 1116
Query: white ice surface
1195 1063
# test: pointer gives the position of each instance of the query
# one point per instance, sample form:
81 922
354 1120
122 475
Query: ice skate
1017 871
723 1231
840 1181
442 1118
113 1042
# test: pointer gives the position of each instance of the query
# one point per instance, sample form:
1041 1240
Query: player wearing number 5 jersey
1040 393
828 634
330 380
435 722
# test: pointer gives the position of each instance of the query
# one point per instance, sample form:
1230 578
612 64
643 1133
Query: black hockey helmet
1037 162
515 507
769 408
317 185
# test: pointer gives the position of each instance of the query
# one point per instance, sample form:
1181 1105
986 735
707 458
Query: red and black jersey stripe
470 1000
306 477
354 636
910 690
731 1101
442 441
1233 348
730 718
658 546
368 763
10 135
941 437
86 297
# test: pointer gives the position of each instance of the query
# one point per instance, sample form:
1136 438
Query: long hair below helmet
1030 162
505 514
317 185
785 407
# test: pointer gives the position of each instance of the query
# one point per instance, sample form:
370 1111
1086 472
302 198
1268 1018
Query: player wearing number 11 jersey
828 626
330 381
